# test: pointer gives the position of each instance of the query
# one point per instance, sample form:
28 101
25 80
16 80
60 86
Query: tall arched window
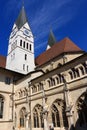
57 111
37 116
1 106
55 116
22 117
82 110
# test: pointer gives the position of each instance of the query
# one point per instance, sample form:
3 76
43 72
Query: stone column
68 105
45 108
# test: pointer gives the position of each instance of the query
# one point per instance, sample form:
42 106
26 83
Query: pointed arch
58 114
82 110
37 116
22 114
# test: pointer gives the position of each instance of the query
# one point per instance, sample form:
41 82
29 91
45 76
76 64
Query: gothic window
60 78
47 70
53 82
57 111
22 117
82 70
57 80
49 83
82 110
77 73
36 120
74 72
37 116
40 86
71 74
34 89
55 116
59 64
1 106
21 43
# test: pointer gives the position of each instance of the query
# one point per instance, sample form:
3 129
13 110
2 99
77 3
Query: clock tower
20 57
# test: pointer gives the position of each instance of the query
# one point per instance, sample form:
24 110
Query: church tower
20 56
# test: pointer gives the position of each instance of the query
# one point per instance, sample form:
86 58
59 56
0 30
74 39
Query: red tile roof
2 61
65 45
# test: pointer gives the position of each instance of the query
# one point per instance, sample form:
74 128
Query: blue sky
67 18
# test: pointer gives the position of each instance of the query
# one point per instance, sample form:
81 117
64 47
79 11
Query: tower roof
51 39
22 18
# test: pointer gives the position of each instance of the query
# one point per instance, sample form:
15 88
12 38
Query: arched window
77 73
82 69
57 80
49 83
52 81
34 89
47 70
55 116
36 119
82 110
60 78
1 106
40 86
57 111
59 64
74 72
37 116
22 117
71 75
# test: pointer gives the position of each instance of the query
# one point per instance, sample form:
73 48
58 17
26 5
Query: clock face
26 32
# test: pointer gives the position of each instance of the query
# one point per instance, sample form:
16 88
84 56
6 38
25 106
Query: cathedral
47 92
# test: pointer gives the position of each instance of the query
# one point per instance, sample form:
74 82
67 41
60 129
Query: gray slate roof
22 18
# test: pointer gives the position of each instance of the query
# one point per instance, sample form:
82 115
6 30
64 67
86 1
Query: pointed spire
22 18
51 39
